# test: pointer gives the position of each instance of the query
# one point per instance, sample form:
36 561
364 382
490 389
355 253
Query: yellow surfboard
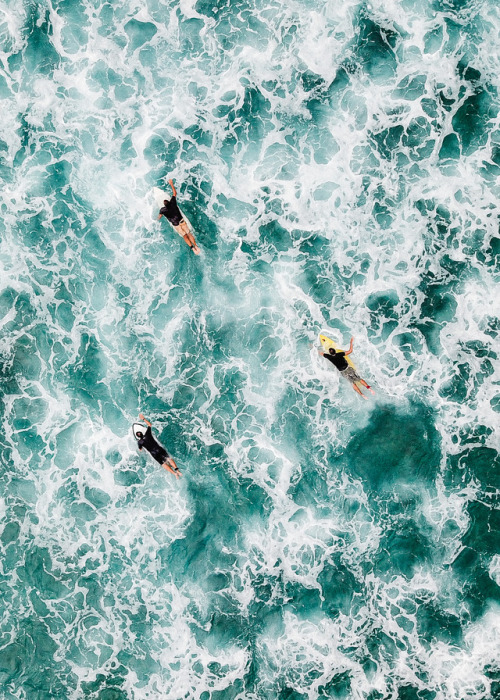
328 343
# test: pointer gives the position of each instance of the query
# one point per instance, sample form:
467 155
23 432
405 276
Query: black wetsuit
172 212
155 450
338 360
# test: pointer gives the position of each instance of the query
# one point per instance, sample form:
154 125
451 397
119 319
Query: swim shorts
350 374
161 455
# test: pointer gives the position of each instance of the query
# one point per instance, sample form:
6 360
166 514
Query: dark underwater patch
87 374
199 551
483 534
339 586
374 49
396 446
338 687
39 56
474 120
477 589
106 687
403 549
480 464
410 692
139 32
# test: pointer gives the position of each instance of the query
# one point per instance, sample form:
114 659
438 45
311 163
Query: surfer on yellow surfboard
171 211
345 366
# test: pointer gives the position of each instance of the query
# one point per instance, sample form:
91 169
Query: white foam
286 544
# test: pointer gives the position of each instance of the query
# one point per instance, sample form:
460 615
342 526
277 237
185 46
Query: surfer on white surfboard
158 452
171 211
337 358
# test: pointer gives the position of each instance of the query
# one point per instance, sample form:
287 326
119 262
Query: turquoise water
340 164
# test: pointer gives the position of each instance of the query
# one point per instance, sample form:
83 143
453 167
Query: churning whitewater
339 163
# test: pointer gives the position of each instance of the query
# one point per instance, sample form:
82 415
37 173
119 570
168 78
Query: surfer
155 449
337 358
171 211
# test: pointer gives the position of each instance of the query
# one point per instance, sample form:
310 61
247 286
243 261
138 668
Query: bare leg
187 232
167 466
184 231
188 237
171 462
193 243
366 385
358 390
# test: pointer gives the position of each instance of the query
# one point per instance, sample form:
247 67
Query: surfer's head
139 435
165 202
332 351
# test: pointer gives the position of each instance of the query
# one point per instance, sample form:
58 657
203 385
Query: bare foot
196 250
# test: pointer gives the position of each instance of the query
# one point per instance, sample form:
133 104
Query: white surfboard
138 428
160 196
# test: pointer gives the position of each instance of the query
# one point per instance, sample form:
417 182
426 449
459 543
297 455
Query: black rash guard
338 360
155 450
172 213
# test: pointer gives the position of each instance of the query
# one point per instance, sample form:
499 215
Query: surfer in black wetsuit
172 212
158 452
337 358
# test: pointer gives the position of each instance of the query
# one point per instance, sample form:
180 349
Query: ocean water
340 163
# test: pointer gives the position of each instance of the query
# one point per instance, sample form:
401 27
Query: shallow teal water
340 164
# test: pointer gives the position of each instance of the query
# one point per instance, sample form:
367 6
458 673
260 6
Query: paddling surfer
171 211
158 452
337 358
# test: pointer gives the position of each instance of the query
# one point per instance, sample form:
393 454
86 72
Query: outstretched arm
144 419
174 191
350 347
